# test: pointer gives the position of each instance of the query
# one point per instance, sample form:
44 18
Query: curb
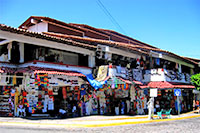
41 125
140 122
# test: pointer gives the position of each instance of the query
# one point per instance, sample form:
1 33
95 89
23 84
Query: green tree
195 79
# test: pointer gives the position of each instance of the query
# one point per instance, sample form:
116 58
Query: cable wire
112 19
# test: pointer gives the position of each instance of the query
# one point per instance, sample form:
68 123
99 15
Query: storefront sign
177 92
153 92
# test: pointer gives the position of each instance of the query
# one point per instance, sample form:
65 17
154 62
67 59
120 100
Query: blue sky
172 25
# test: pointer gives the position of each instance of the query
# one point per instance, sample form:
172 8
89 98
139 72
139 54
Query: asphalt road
180 126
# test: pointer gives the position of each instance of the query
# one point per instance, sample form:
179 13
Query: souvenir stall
88 102
139 98
196 99
10 88
114 97
50 91
6 101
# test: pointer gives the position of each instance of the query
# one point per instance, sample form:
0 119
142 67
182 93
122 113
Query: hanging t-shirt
64 93
50 104
12 92
157 61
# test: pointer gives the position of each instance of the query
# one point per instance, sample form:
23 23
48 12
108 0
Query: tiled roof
125 45
133 45
111 33
86 28
193 60
44 36
138 48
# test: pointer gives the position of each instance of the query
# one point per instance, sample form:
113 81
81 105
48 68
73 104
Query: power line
112 19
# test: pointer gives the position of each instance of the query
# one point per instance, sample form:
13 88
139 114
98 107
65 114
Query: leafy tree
195 79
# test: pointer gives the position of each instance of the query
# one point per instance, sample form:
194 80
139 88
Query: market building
49 68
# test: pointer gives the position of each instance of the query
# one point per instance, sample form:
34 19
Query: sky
172 25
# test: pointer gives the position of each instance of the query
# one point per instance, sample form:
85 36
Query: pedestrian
150 108
157 106
117 109
74 110
197 104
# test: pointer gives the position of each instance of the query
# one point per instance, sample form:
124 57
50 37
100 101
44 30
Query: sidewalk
88 121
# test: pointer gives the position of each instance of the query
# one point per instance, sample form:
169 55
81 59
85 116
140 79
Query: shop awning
137 82
160 84
144 86
165 85
61 73
31 69
130 82
184 86
125 80
55 71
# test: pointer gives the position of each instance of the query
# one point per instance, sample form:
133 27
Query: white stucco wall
40 27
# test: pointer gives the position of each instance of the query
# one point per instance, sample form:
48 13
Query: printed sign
177 92
153 92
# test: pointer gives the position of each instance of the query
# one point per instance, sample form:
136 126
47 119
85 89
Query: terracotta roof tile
44 36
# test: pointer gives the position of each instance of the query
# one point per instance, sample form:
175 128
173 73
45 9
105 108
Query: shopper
74 110
157 106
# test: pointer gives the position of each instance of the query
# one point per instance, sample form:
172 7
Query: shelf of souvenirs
4 108
3 103
4 95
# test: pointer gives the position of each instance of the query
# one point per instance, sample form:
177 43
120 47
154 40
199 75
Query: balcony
161 74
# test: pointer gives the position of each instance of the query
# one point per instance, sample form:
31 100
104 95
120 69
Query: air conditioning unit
103 48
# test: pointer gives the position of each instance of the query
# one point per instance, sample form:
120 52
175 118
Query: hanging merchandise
126 86
119 86
132 93
51 103
83 92
14 80
118 69
64 93
123 86
159 92
158 61
142 62
102 73
138 63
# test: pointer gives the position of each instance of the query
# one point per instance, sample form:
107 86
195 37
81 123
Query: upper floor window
33 52
4 53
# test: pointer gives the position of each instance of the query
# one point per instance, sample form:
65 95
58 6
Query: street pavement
189 122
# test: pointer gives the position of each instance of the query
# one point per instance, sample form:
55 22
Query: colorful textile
94 83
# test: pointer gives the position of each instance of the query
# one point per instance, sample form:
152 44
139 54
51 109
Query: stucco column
179 68
21 50
9 47
91 60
